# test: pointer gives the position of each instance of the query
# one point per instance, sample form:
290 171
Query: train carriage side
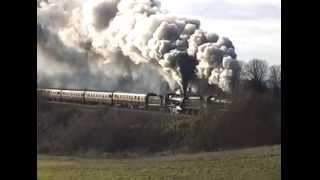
130 100
50 94
95 97
72 96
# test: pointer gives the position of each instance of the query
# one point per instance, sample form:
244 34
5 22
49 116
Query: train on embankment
150 101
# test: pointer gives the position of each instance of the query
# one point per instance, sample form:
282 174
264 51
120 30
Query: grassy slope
254 163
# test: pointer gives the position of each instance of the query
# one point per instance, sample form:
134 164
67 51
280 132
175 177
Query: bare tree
242 68
256 72
275 79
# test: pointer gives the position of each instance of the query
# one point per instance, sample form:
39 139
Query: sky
254 26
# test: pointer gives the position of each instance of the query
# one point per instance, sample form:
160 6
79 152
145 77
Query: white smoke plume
133 37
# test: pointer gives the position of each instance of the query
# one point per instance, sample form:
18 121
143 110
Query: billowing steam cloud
94 39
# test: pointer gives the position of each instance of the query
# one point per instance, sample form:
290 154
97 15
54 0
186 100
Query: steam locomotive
150 101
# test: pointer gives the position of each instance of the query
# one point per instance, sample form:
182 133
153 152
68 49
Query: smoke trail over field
98 43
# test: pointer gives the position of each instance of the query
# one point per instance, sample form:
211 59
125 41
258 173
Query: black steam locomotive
150 101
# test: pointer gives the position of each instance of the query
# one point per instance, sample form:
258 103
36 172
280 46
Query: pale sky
254 26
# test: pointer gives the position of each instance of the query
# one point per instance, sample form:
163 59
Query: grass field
260 163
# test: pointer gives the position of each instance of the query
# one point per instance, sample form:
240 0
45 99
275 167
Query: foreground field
261 163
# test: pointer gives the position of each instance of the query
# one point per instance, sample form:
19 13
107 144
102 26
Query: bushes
97 129
64 129
247 123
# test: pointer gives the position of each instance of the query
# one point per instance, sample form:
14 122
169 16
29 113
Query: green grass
262 163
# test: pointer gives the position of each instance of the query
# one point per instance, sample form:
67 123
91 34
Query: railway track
120 109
